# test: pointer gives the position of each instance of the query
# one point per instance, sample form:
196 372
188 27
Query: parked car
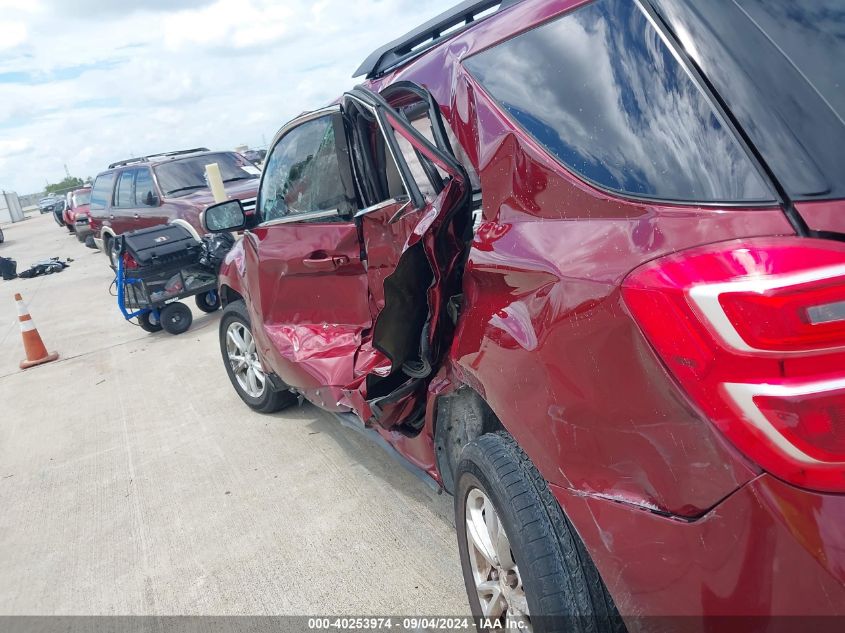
77 214
255 156
163 189
47 204
631 376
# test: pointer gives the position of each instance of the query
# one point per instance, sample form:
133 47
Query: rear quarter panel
544 336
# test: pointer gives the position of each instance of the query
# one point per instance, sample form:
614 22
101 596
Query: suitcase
162 244
8 268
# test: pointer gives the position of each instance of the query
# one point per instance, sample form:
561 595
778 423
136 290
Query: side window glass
601 91
302 173
124 196
101 191
144 189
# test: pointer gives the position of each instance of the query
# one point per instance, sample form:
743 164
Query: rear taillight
754 331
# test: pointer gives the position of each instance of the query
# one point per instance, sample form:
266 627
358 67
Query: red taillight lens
752 330
814 423
798 317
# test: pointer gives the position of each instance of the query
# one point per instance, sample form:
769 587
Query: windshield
81 198
182 176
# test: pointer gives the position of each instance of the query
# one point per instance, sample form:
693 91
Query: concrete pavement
134 481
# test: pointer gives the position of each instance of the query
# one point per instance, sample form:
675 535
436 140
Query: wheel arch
463 415
229 295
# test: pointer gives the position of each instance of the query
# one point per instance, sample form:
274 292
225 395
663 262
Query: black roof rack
146 159
423 37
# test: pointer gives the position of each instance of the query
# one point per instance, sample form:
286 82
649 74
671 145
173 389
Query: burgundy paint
677 521
768 550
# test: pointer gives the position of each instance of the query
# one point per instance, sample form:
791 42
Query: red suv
631 372
167 188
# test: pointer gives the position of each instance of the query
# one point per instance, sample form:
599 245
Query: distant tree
71 182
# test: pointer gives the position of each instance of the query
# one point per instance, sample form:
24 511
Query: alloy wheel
497 578
240 349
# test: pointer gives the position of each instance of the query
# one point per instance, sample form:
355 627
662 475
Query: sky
87 82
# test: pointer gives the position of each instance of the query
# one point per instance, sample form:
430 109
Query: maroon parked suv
631 371
165 188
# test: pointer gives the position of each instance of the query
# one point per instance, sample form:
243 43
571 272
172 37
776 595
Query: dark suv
631 375
164 189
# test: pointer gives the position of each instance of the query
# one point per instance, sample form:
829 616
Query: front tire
243 366
519 554
176 318
110 247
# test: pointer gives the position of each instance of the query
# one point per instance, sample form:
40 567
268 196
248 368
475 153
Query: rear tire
150 322
539 563
176 318
240 358
205 304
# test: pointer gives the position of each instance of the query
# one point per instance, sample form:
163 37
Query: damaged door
414 230
306 281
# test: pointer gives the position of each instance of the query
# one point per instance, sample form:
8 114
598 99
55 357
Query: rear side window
600 90
124 196
145 194
101 192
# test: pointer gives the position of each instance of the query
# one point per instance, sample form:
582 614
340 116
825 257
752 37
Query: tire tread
565 579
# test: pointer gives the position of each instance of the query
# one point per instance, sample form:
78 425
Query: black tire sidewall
475 477
270 400
108 244
561 587
172 310
146 324
203 304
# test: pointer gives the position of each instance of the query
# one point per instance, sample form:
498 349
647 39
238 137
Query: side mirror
224 216
151 200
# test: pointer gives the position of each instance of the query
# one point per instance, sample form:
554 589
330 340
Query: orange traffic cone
36 353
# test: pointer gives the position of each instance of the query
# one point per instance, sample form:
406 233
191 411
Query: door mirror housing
224 216
151 200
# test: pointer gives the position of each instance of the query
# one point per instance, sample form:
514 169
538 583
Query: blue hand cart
151 282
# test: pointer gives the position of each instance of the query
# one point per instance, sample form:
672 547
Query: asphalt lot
134 481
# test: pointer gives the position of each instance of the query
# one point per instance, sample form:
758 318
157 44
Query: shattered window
302 173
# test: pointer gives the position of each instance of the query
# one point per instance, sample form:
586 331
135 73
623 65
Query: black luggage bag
8 268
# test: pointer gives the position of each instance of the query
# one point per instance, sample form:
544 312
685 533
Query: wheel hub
496 574
243 358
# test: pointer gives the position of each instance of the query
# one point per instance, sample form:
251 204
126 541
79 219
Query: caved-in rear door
414 235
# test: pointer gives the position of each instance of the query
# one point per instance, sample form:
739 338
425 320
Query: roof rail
128 161
423 37
146 159
180 152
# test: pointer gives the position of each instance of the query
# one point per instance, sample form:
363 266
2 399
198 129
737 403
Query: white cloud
101 85
12 34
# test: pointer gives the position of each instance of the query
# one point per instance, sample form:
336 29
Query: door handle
324 261
137 216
